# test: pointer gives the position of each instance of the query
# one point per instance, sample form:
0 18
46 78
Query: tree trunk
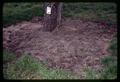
59 14
52 16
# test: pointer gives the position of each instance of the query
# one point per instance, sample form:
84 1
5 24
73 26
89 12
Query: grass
113 46
110 61
91 11
109 70
14 12
8 57
27 67
89 73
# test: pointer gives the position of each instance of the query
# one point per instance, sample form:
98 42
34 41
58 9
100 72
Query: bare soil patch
73 46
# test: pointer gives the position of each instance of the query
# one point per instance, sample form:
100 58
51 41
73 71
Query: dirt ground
74 46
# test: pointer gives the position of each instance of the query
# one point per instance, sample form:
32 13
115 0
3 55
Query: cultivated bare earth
73 46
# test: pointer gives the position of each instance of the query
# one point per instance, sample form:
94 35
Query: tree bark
59 14
53 19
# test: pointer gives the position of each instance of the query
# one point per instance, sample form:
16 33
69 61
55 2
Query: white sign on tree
48 11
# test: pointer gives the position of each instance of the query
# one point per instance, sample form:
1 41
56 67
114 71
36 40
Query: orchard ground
80 48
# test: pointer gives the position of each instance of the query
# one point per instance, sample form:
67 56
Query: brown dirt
73 46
